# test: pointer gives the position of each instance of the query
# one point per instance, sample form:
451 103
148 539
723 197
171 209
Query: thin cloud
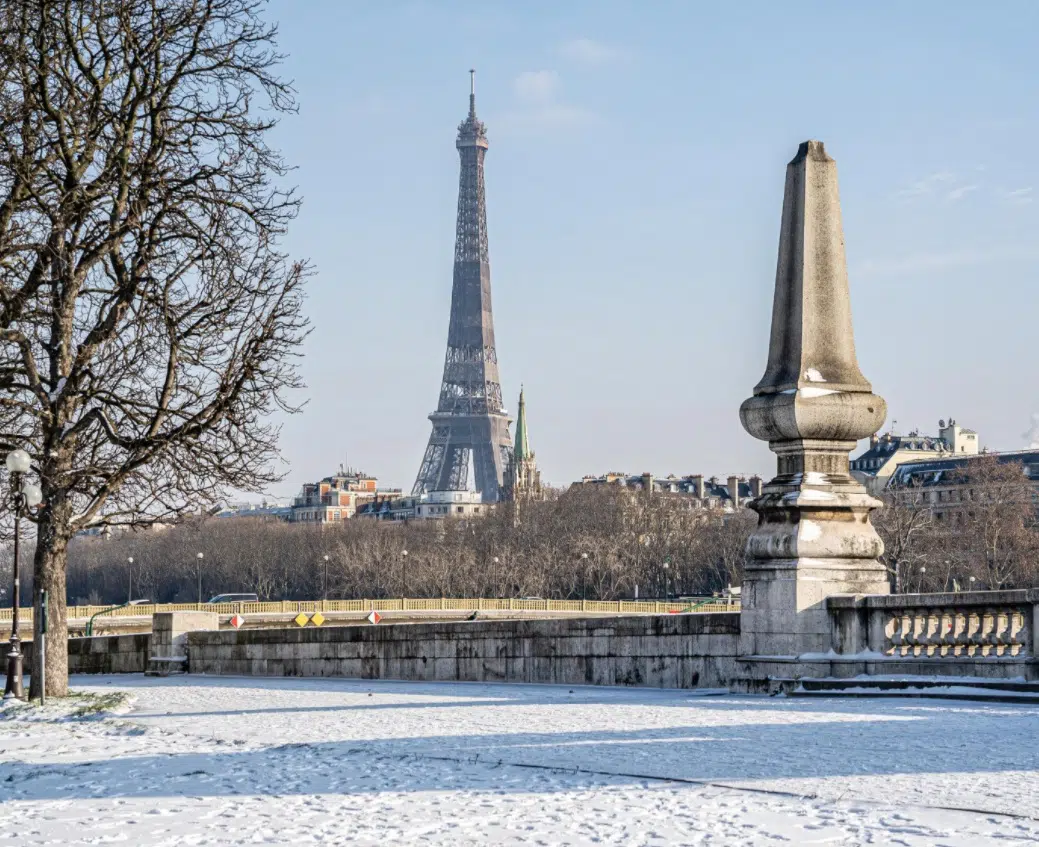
960 192
586 51
952 187
927 185
539 104
923 262
536 87
1019 196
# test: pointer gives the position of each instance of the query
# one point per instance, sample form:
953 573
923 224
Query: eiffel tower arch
470 421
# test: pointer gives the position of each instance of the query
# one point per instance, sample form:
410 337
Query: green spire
522 449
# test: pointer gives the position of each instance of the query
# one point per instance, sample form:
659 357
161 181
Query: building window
460 510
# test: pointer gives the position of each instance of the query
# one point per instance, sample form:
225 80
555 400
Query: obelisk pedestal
814 538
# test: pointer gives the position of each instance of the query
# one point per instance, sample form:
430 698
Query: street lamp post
666 584
403 577
24 496
198 569
497 580
584 576
129 578
324 585
923 572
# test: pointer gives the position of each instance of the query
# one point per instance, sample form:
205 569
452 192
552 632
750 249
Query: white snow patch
810 478
809 530
808 495
822 657
812 391
204 760
809 391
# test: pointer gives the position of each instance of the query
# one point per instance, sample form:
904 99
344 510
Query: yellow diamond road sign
301 619
318 619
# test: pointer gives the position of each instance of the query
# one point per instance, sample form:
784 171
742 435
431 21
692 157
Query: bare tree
592 543
148 320
908 528
722 550
993 523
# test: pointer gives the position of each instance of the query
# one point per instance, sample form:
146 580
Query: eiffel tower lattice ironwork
470 420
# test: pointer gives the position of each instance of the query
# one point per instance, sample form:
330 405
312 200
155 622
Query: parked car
234 598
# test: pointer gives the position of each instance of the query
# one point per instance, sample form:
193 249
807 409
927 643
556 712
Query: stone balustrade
962 625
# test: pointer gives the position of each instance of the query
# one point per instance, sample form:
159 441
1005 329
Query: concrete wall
667 651
99 654
170 629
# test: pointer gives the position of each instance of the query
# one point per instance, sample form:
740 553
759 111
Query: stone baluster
918 638
989 636
975 637
899 628
959 633
1019 636
1001 631
946 636
932 644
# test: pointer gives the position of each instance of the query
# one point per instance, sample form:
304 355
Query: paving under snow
220 761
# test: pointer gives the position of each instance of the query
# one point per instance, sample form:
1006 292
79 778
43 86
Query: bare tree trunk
49 575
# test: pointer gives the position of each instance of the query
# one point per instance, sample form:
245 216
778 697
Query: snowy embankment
226 761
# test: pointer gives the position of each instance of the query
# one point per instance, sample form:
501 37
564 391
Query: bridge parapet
960 625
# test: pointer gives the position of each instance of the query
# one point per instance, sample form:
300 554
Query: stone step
919 682
165 666
948 688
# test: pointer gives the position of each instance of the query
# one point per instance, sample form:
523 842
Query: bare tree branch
149 322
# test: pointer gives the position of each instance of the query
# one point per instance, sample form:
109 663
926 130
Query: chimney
647 483
756 486
698 485
734 491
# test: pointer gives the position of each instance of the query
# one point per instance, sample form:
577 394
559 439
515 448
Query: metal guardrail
440 604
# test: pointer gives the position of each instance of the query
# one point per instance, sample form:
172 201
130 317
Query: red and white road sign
237 621
374 617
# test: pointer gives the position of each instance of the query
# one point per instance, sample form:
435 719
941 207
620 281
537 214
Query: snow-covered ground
221 761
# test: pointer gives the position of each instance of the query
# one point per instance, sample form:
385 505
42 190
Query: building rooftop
930 472
713 488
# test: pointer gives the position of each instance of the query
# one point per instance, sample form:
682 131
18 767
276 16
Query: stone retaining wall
99 654
667 651
109 653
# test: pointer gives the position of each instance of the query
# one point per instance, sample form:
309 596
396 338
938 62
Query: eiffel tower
470 419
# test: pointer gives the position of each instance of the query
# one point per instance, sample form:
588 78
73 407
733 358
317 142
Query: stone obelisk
814 538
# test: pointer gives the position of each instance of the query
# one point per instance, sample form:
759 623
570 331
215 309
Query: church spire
522 479
522 450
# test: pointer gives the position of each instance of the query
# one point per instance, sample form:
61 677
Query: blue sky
635 180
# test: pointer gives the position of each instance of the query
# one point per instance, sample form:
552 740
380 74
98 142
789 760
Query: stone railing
702 605
961 625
